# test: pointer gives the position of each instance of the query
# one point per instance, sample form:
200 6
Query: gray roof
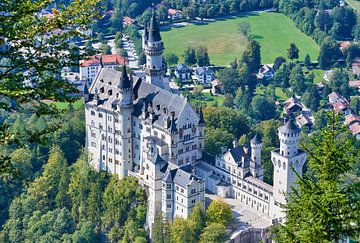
154 30
180 177
147 97
237 153
289 127
181 67
203 70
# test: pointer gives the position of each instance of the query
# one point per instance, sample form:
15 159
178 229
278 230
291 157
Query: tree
161 230
278 61
297 79
219 212
171 59
197 220
180 231
244 28
293 52
263 108
252 56
214 233
202 56
35 57
228 78
329 53
105 49
189 56
355 104
162 13
324 207
307 61
216 138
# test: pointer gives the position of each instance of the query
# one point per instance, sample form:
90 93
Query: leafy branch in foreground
326 206
33 50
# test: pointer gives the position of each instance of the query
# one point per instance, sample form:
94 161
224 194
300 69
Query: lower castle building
134 128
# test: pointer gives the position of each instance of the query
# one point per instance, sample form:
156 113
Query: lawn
280 95
218 98
63 105
354 4
224 41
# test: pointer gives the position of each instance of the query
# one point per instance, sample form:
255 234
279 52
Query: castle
136 128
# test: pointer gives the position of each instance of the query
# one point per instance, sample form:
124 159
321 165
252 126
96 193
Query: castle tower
125 120
285 160
153 48
201 132
255 161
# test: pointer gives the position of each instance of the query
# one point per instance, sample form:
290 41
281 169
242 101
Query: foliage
329 53
263 108
324 207
219 212
33 53
189 56
214 233
171 59
293 52
202 56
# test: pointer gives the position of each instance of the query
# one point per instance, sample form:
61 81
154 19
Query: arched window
279 163
284 166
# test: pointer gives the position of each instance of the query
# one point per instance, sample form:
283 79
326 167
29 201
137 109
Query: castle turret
86 93
173 133
153 49
255 161
287 160
125 120
256 146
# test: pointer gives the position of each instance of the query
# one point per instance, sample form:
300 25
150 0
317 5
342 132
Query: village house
215 87
182 72
355 84
128 21
175 14
266 72
292 105
90 66
204 75
355 66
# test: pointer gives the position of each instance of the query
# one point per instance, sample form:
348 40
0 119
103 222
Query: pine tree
324 208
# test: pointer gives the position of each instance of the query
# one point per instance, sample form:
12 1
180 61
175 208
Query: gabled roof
349 119
355 128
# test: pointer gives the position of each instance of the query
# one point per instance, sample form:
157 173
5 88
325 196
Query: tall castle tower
153 48
287 160
255 162
125 120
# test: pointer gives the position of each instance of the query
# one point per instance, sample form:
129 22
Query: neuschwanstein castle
135 127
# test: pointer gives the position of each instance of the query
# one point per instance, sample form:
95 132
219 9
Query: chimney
235 143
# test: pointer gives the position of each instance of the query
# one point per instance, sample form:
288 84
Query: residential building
90 66
175 14
182 72
204 75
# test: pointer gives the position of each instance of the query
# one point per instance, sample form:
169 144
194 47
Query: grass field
218 98
354 4
64 105
224 41
280 95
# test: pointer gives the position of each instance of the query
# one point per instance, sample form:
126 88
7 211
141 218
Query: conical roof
154 30
201 118
125 82
256 139
289 127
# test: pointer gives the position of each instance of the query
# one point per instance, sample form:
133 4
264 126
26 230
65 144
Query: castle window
100 115
103 157
93 134
266 197
193 191
103 146
93 144
284 166
168 205
168 196
168 186
92 113
92 123
109 118
279 163
102 90
110 92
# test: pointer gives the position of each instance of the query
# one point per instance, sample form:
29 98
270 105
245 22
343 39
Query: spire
173 128
86 92
124 83
201 118
154 30
101 61
255 140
